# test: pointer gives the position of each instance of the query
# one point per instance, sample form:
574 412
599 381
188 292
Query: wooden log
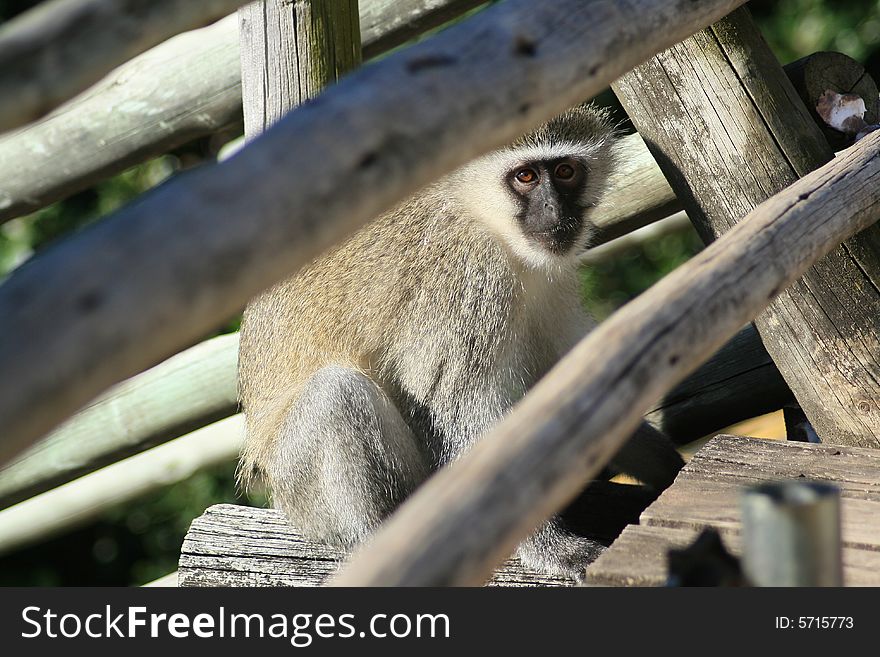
83 500
132 295
733 138
638 558
674 224
637 196
242 546
186 88
575 419
56 50
199 77
188 391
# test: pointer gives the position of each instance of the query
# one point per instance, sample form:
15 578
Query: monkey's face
551 203
537 199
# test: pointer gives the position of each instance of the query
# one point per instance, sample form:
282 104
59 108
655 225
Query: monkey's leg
650 457
556 550
345 458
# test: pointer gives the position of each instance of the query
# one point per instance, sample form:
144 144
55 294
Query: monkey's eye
564 172
527 176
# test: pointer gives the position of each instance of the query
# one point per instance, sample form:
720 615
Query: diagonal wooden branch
575 419
140 285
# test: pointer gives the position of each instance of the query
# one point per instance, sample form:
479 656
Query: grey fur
391 355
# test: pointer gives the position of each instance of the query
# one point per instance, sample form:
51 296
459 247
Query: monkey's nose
551 210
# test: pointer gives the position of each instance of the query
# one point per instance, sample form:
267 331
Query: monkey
390 355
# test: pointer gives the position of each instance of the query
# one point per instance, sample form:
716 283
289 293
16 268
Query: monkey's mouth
561 237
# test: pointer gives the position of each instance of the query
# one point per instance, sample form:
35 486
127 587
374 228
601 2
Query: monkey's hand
555 550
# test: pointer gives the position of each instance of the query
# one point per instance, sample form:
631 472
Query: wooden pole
189 390
83 500
290 51
734 133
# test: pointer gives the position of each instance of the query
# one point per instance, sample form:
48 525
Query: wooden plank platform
707 493
243 546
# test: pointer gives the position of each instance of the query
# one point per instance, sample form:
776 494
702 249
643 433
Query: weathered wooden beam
183 89
242 546
290 52
637 195
56 50
194 388
674 224
186 88
83 500
583 411
199 79
143 283
735 133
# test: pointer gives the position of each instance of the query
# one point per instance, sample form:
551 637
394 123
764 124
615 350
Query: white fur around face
481 188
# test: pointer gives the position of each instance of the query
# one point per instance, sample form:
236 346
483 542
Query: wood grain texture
570 424
637 195
707 494
638 558
242 546
190 390
56 50
386 24
186 88
734 133
290 51
133 296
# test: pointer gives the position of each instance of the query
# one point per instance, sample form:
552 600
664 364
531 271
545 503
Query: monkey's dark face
550 198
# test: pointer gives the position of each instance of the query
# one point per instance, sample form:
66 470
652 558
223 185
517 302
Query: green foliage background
139 542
